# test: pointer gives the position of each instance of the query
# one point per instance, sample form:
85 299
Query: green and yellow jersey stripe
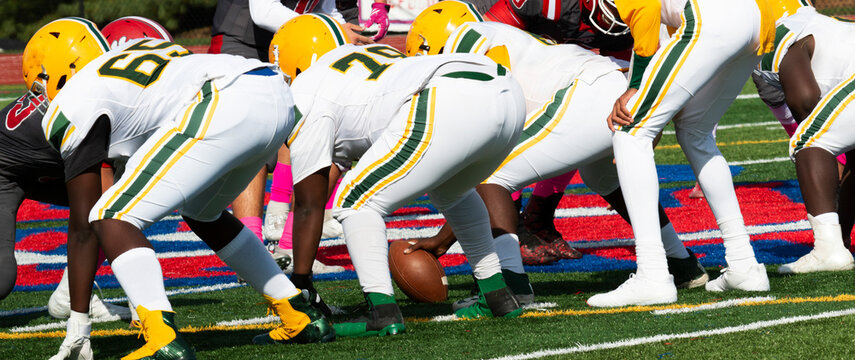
403 157
666 68
163 155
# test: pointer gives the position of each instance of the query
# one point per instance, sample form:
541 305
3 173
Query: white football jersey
540 66
833 58
139 86
347 98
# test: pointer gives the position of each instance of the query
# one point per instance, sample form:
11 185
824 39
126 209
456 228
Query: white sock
470 222
140 275
508 250
251 260
737 245
640 185
80 317
827 234
829 218
79 324
365 236
674 247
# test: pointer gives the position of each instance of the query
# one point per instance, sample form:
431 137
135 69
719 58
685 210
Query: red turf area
10 65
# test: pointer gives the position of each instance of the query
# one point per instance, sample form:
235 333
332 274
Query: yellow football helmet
57 51
304 39
432 27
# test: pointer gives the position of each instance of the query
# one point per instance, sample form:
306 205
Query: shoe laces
143 331
271 309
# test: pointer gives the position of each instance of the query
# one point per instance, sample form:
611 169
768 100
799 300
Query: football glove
379 16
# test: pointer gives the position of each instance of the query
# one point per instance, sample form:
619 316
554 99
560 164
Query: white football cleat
815 261
274 220
638 290
101 311
317 267
76 344
59 306
752 279
828 252
332 228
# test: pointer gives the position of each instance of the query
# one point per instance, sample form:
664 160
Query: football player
567 98
186 132
692 80
578 22
116 33
435 125
817 77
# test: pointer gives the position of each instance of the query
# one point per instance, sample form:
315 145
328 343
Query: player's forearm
83 192
308 211
269 14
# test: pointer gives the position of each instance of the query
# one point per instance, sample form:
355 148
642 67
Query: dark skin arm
503 220
310 198
83 192
797 79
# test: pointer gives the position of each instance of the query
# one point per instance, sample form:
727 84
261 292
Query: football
418 274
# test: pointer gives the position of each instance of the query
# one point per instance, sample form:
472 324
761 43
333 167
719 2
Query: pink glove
379 16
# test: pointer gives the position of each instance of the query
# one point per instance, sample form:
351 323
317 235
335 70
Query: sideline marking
662 337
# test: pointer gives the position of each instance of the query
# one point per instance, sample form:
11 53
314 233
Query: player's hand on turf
620 115
74 348
379 16
433 245
353 32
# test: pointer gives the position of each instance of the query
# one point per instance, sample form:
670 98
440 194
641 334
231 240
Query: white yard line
772 124
580 348
747 96
759 161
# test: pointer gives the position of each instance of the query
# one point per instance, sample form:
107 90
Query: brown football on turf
418 274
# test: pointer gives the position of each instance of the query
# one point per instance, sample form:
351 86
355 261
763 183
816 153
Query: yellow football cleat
301 323
163 342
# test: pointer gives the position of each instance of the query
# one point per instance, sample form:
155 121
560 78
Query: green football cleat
383 318
301 323
494 300
504 306
163 341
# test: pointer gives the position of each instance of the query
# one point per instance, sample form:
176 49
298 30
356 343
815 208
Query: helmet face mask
433 26
57 51
302 40
605 18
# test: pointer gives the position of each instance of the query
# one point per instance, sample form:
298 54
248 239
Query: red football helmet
127 28
603 16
